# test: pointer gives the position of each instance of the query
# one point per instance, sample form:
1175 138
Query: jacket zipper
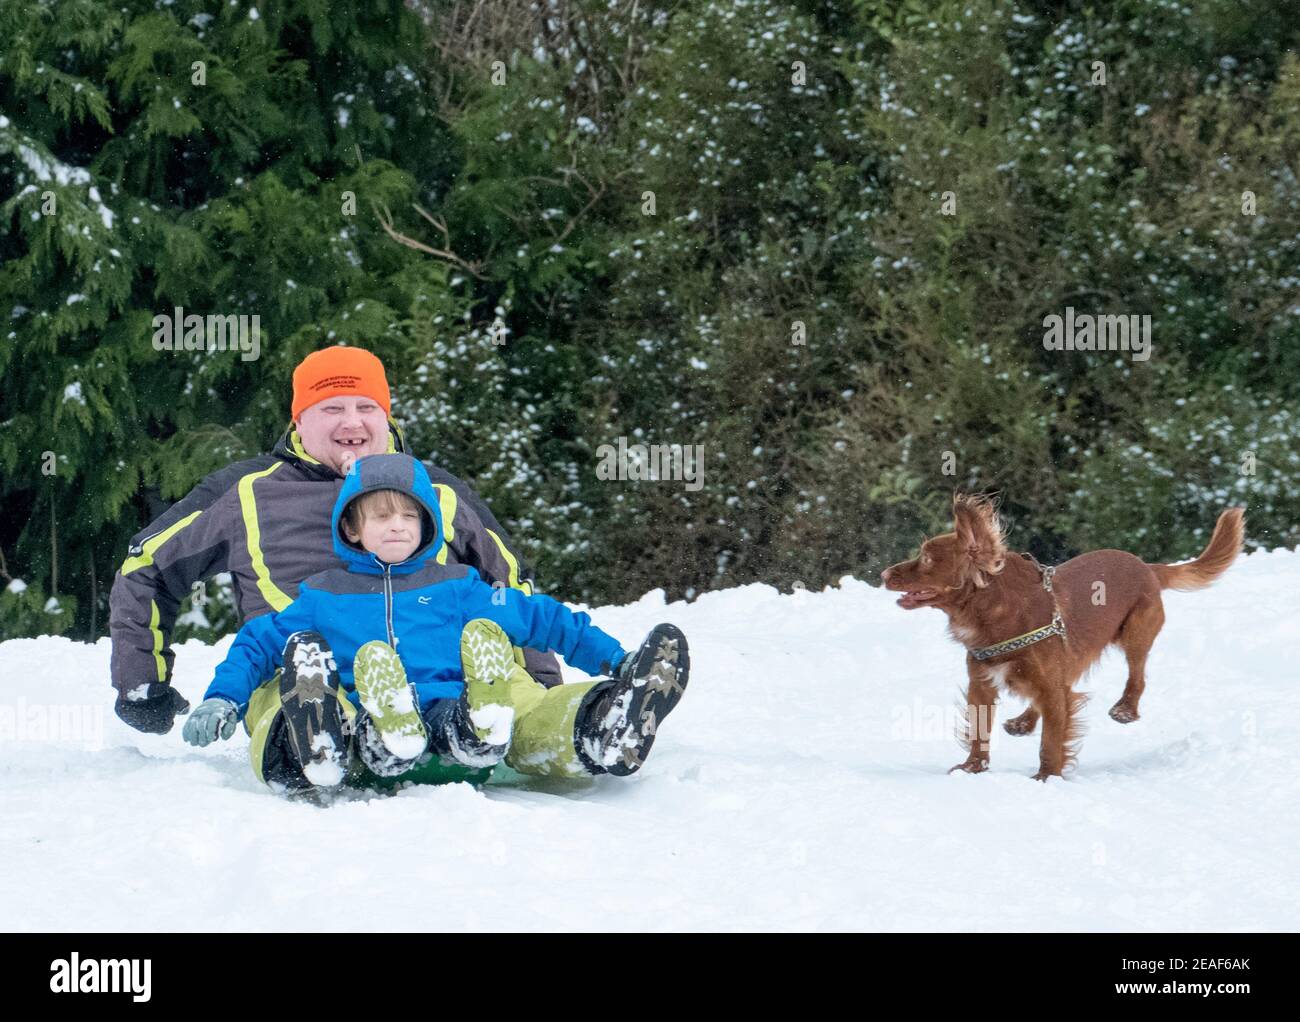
388 605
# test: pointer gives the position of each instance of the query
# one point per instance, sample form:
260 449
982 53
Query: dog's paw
972 766
1043 775
1123 713
1022 725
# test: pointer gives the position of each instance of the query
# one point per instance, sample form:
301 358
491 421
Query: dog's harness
1057 626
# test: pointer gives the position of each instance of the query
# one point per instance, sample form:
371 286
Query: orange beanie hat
331 372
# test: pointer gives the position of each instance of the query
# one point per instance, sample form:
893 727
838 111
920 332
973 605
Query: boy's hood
388 472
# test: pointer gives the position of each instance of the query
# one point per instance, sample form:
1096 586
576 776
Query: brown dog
1034 631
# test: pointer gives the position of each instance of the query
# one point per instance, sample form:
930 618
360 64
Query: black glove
156 712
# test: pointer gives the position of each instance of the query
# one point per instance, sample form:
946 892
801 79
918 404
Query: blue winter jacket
419 606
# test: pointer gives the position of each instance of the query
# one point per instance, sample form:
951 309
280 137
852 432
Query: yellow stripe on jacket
271 593
151 545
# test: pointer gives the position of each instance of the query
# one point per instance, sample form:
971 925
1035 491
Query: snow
50 169
194 617
404 746
801 784
493 722
105 214
327 771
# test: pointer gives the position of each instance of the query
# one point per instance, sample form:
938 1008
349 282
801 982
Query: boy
407 659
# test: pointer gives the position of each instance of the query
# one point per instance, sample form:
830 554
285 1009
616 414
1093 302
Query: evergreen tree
219 158
724 225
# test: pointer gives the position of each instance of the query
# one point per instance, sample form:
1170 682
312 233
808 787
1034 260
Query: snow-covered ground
801 784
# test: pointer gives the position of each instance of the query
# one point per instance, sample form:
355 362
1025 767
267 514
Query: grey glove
212 718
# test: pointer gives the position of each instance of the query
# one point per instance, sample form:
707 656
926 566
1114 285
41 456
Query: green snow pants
543 737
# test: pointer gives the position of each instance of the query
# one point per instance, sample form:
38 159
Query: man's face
339 430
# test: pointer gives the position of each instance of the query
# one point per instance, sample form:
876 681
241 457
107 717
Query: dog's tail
1224 546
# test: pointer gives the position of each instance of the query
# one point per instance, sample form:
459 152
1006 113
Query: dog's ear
979 535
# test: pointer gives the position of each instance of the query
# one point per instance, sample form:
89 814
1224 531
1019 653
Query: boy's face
392 536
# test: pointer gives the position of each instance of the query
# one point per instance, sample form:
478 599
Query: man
266 521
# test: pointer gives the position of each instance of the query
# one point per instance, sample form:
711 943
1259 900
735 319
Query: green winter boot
488 660
390 700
